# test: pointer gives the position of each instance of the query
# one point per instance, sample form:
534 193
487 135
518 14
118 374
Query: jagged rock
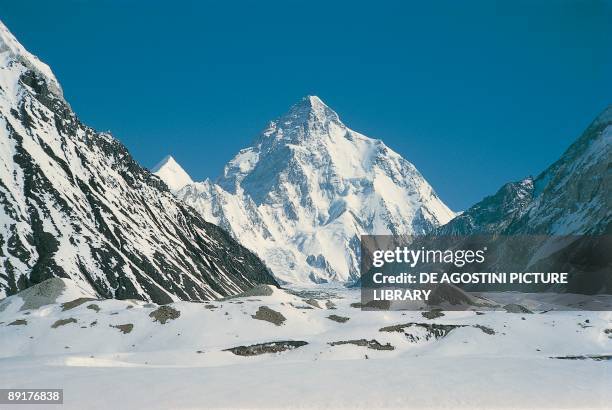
597 358
339 319
313 302
485 329
269 315
370 344
432 330
375 305
515 308
74 303
164 314
63 322
125 328
18 322
269 347
93 307
432 314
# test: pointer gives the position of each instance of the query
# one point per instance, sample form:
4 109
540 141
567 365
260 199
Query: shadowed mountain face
307 189
75 204
564 215
571 197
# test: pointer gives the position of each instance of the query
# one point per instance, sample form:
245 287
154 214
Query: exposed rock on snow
164 314
263 348
585 357
429 330
339 319
63 322
18 322
515 308
74 303
432 314
269 315
125 328
370 344
94 307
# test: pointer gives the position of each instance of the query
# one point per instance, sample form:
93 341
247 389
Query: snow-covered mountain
564 214
172 173
308 187
75 204
571 197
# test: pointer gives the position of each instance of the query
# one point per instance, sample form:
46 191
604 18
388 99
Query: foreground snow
183 363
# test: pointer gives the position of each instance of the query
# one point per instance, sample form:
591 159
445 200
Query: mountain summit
74 204
308 187
172 173
12 52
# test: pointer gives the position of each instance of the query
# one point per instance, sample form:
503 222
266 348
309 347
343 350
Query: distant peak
313 102
310 108
172 173
167 160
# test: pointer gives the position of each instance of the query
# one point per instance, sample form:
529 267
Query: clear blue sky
475 94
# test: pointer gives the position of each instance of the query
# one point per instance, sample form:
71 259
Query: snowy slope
75 204
487 360
306 190
172 173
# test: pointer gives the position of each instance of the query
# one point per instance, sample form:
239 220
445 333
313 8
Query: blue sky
474 93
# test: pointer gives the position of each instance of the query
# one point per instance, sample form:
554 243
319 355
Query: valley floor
130 354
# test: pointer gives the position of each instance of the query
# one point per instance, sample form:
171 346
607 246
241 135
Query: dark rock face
18 322
63 322
516 308
125 328
94 307
432 314
269 315
569 198
164 314
432 330
370 344
339 319
78 206
597 358
262 348
75 303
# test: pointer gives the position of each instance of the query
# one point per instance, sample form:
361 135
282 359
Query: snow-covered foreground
458 360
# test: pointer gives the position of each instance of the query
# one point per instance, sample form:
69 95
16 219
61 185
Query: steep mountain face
563 217
75 204
172 173
306 190
571 197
